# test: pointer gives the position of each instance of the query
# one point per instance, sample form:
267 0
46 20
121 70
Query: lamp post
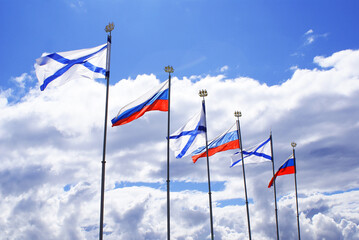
293 144
238 114
203 93
169 70
274 187
108 29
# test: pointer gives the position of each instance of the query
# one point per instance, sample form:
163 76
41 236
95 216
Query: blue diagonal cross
193 134
69 63
256 153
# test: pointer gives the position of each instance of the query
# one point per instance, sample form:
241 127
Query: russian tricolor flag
286 168
226 141
155 99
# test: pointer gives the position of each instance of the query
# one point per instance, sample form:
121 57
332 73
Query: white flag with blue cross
189 137
259 153
59 68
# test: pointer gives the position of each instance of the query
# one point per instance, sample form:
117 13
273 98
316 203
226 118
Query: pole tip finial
203 93
237 114
110 27
169 69
293 144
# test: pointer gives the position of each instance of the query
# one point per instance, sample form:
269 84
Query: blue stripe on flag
236 162
191 139
228 137
95 69
192 132
163 95
58 58
248 154
255 153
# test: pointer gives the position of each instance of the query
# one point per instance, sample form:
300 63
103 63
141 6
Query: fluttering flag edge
283 171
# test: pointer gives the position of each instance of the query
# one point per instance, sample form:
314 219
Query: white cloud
310 40
343 61
310 31
52 139
21 80
76 4
294 68
297 54
4 95
311 37
224 68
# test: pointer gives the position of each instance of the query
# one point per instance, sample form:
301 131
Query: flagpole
295 181
238 114
275 191
169 70
108 29
203 93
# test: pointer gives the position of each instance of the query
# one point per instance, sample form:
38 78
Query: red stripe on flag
159 105
221 148
283 171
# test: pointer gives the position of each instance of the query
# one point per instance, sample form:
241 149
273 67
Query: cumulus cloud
51 145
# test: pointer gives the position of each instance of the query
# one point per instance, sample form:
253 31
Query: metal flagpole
295 181
238 114
275 191
203 93
108 29
169 70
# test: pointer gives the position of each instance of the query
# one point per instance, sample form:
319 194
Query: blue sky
259 39
291 67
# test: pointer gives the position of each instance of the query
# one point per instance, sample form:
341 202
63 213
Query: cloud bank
51 145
